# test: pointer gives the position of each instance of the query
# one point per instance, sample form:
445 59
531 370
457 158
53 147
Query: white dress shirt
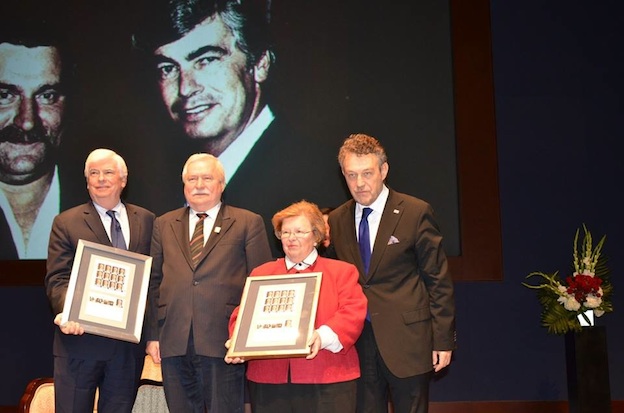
122 216
209 221
37 247
234 155
374 218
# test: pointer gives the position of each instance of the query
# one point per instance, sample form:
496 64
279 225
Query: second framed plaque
276 316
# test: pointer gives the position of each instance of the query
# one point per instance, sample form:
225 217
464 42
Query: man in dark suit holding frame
395 242
86 362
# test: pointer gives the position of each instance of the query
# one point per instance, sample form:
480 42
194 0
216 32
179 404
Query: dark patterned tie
197 241
117 238
364 240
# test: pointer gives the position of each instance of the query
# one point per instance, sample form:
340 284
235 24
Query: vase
588 371
584 321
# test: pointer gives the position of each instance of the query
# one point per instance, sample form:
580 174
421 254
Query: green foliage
563 303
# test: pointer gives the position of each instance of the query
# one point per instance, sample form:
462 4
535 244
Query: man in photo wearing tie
202 255
84 362
396 244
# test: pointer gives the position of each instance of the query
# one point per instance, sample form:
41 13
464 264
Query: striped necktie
197 241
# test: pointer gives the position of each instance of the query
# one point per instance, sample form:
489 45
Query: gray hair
361 144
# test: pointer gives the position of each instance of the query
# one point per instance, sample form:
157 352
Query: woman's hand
315 345
232 360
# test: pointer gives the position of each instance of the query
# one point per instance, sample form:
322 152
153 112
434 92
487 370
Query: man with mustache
202 255
32 105
212 61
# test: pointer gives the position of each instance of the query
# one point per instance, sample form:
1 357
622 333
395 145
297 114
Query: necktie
197 241
117 238
364 240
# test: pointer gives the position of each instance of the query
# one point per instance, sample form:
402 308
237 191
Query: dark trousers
76 380
409 395
198 384
303 398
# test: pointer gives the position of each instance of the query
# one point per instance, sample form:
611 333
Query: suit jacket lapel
9 252
135 228
389 220
94 222
180 228
348 232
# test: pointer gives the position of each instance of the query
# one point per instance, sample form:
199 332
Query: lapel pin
217 230
396 211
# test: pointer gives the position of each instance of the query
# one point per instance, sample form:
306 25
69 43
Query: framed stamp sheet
276 316
108 291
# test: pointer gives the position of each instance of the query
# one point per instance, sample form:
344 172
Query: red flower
580 286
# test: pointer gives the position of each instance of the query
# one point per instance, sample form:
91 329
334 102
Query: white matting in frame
107 291
276 316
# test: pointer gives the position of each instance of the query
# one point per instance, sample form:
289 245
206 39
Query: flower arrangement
588 288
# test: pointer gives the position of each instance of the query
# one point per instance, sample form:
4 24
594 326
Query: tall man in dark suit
212 60
395 242
202 255
84 362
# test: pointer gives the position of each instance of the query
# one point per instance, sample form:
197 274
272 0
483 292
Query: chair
39 397
151 371
39 394
151 395
150 398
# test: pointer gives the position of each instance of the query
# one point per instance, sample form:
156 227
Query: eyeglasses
286 234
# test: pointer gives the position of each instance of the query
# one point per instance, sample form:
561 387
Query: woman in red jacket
324 380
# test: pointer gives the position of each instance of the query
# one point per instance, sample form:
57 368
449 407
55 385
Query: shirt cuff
329 339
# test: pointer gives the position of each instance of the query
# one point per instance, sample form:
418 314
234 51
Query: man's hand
70 327
153 349
441 359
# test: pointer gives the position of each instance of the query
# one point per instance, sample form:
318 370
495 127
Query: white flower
592 301
569 302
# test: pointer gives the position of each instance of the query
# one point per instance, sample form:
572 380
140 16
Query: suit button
195 282
365 285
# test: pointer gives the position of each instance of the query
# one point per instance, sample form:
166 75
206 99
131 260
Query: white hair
101 154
